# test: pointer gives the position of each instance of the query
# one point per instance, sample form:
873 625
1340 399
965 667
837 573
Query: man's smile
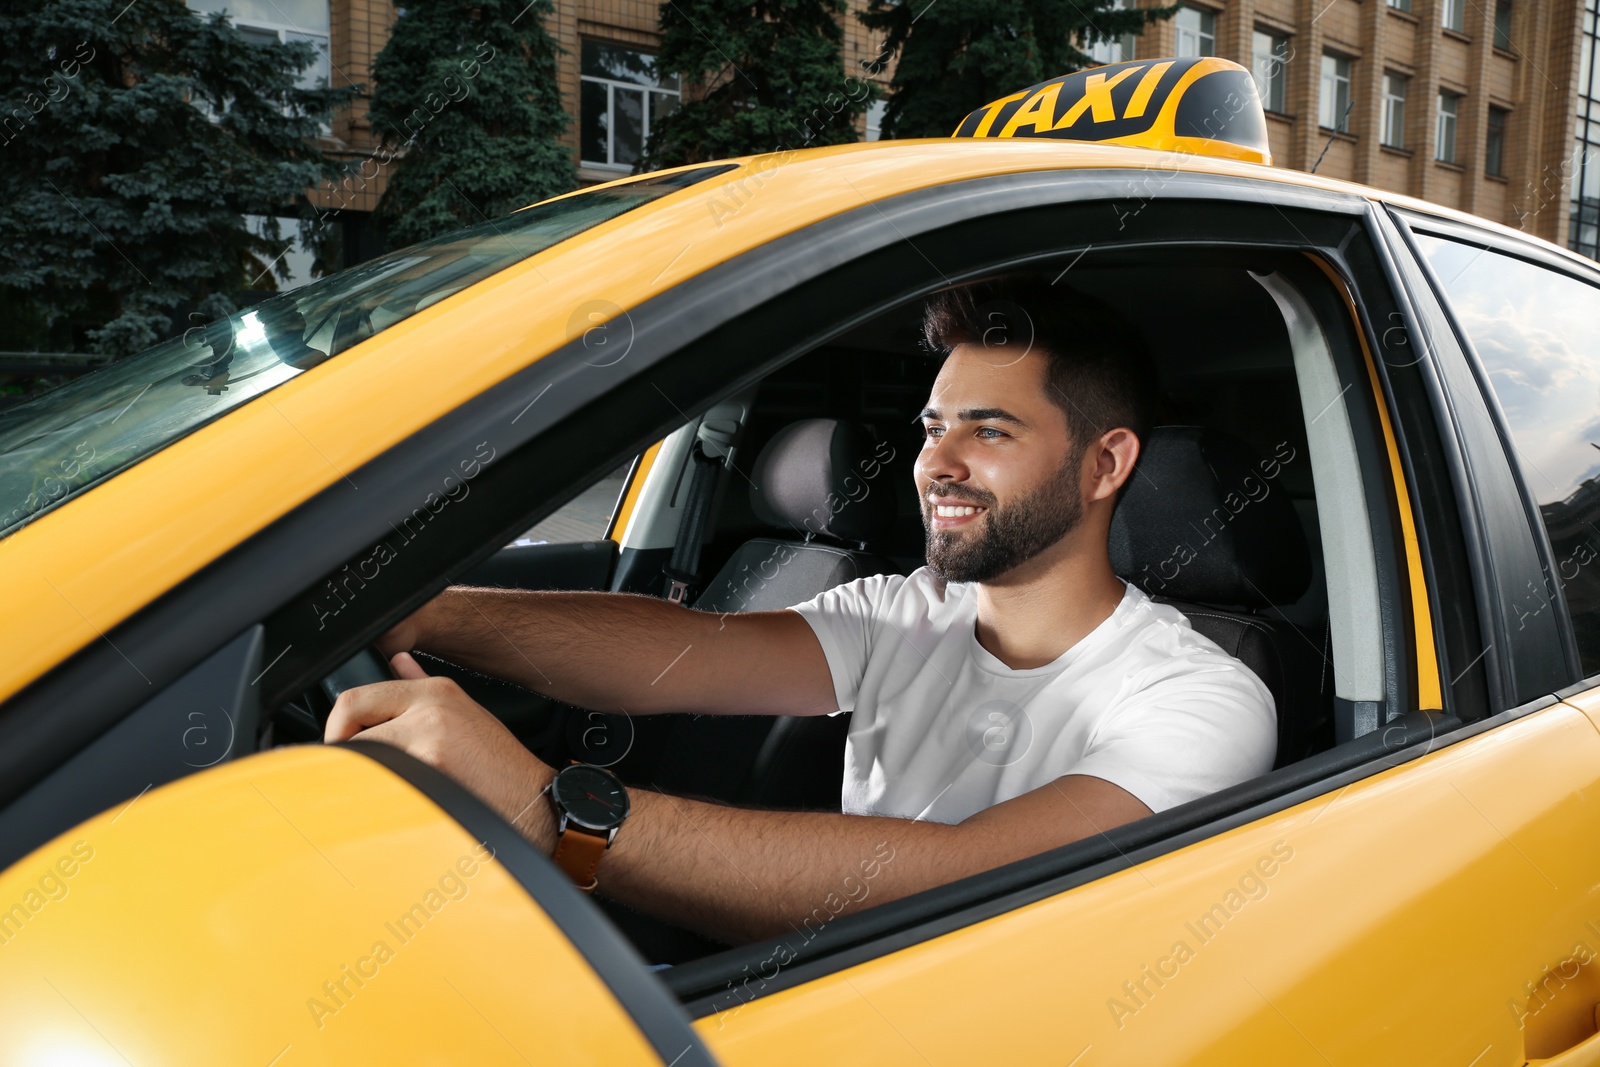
948 515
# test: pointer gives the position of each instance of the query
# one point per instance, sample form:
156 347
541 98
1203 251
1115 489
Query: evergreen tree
956 57
136 138
759 75
467 97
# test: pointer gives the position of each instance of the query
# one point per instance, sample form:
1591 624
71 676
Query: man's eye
933 431
990 432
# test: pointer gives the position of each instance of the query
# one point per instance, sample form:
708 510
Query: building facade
1467 103
1490 106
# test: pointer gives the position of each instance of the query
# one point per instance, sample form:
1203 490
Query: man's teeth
951 511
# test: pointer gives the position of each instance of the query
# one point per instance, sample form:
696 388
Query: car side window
585 517
1534 330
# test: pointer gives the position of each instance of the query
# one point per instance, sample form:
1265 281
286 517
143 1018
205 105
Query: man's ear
1114 452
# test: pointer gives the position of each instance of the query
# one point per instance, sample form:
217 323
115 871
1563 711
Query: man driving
1016 623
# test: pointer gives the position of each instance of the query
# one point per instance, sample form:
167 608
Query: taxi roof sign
1200 104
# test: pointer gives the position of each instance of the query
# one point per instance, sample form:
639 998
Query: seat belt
713 443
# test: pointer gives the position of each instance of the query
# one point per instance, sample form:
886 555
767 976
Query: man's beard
1011 535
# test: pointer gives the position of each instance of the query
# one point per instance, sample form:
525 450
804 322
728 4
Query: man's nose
940 461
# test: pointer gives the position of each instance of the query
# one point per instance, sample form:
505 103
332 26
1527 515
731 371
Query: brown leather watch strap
579 854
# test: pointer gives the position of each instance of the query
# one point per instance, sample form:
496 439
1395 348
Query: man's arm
737 874
619 652
730 873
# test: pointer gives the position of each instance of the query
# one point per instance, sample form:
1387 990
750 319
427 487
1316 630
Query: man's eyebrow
976 415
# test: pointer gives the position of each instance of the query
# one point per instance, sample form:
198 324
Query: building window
1502 25
875 112
1197 31
1445 128
1400 5
621 96
1455 15
1583 236
1494 142
1394 109
271 21
1334 102
1444 137
1270 54
1117 50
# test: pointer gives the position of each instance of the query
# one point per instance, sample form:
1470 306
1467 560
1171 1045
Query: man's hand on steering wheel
433 720
406 634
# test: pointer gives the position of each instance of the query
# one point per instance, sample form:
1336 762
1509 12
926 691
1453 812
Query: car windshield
60 443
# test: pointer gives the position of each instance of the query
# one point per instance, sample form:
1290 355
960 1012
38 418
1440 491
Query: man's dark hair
1098 372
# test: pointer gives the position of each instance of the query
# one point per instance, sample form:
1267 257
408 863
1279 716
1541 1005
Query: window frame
1333 113
1199 34
1503 15
1393 125
1453 15
1274 92
1494 141
647 115
1446 124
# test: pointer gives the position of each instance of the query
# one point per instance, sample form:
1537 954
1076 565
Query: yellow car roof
82 569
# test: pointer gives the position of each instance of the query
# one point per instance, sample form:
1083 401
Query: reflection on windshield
54 446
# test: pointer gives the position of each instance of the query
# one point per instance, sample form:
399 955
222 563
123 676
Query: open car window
1282 380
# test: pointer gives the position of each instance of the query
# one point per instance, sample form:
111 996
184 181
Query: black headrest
823 476
1207 519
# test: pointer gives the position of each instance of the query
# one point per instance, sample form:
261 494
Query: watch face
593 798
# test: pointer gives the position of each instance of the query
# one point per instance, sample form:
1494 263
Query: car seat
821 482
1203 527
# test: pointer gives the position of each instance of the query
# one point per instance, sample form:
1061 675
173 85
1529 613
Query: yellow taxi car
1375 482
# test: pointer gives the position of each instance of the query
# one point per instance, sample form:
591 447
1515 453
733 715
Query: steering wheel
364 668
303 719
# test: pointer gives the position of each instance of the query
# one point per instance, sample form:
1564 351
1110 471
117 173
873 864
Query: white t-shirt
942 729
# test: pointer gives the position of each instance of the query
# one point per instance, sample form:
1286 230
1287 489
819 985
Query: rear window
59 444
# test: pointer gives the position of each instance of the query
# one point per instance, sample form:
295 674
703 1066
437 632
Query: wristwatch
590 804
